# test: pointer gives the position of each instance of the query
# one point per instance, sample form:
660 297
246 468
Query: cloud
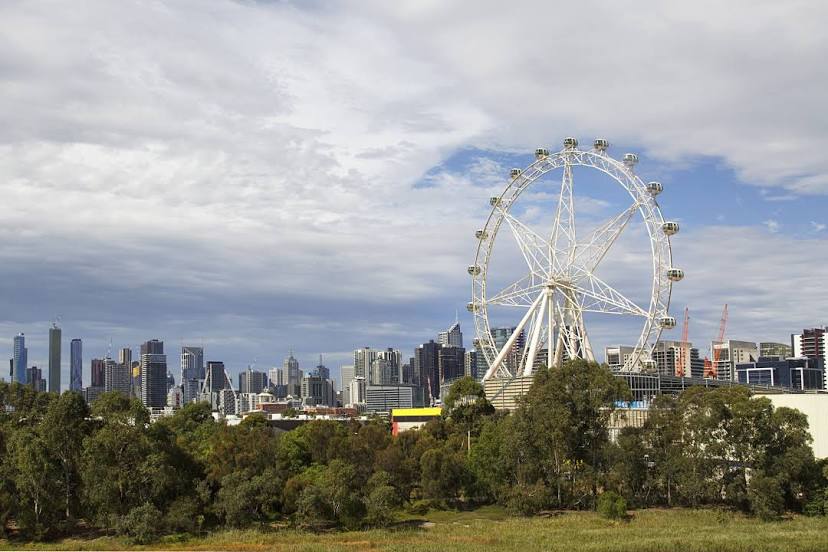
248 173
772 225
817 226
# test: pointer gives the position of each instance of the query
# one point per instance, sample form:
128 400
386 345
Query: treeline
66 467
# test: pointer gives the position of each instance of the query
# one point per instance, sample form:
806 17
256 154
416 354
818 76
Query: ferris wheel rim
645 205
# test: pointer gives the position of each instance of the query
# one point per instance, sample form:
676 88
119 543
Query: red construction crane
711 368
684 347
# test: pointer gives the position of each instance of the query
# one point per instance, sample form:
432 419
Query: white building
616 356
356 391
452 337
731 353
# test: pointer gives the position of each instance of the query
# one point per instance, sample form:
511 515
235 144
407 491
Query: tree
442 473
64 427
466 404
243 500
36 480
380 500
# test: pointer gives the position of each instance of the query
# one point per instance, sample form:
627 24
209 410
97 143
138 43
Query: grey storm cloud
246 173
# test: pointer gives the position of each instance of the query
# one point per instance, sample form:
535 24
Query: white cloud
817 226
231 155
772 225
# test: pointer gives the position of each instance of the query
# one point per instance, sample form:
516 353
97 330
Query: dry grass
491 529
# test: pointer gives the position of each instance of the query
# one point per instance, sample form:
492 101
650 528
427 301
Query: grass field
492 529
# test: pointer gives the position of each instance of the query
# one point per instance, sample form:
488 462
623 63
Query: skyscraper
294 376
125 356
452 365
98 368
54 358
427 367
20 358
811 343
452 337
363 358
252 381
215 376
76 365
321 370
153 374
192 363
117 377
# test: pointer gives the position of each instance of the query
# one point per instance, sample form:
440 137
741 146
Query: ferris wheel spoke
534 249
598 296
590 254
563 240
521 293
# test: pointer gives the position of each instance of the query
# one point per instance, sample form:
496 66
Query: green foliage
381 500
141 524
244 499
611 505
766 497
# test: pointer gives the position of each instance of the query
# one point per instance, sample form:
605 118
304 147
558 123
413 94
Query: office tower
362 361
617 355
452 337
811 344
34 378
98 372
294 376
216 379
192 363
407 371
356 391
771 349
117 377
321 370
452 363
383 372
20 358
153 374
731 353
500 336
427 367
672 358
190 390
54 358
76 365
346 376
470 364
252 381
175 397
317 391
125 357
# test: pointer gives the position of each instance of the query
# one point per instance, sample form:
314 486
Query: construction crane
711 368
684 347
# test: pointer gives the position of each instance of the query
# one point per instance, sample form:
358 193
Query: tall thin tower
54 358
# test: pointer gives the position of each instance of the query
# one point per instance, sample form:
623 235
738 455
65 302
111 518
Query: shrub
527 500
767 501
183 515
611 505
141 523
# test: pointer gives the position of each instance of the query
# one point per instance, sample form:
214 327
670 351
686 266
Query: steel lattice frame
561 283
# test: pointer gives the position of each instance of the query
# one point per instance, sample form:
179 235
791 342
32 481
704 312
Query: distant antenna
456 316
109 349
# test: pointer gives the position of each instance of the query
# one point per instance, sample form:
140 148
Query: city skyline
289 206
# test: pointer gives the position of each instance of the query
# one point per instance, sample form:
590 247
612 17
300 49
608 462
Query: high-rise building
617 355
427 367
317 391
192 363
252 381
76 365
346 376
54 358
125 356
321 370
811 344
452 337
770 349
452 363
384 398
731 353
153 374
674 358
34 378
294 376
276 377
98 372
356 391
216 378
20 358
117 377
470 364
362 361
500 336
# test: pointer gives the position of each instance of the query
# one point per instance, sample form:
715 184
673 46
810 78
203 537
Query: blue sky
262 177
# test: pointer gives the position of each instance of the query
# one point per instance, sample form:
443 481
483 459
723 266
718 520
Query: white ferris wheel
560 283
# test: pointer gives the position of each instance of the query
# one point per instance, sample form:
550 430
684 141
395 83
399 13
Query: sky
266 177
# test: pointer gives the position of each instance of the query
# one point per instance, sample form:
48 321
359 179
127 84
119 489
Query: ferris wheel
560 282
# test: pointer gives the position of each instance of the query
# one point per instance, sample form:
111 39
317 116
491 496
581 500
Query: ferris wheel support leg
550 313
512 338
534 339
